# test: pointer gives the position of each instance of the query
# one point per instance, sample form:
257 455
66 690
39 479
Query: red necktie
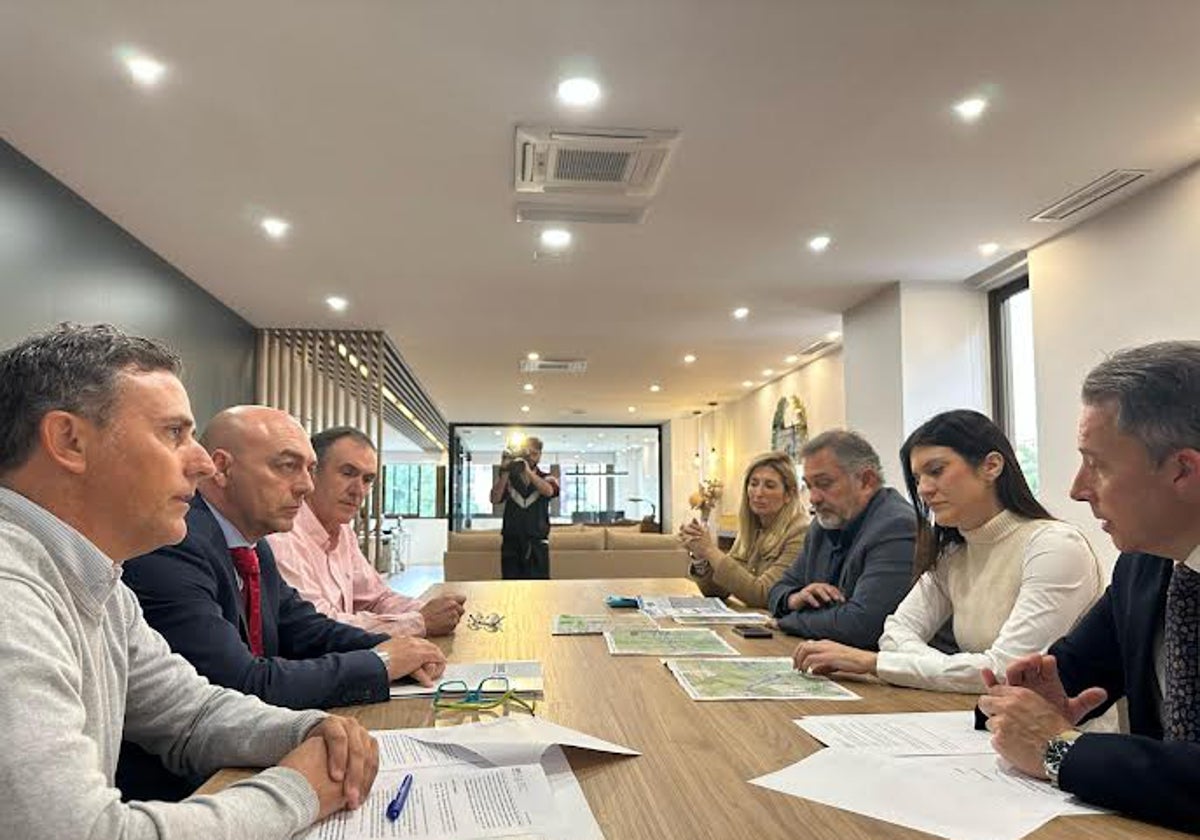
246 560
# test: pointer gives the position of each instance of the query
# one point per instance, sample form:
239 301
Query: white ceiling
383 132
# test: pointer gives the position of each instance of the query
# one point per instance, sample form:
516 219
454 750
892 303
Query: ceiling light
971 109
145 70
556 238
533 357
578 92
833 336
819 243
525 409
988 248
632 409
497 433
600 435
654 389
741 312
337 304
274 227
746 383
688 359
790 360
768 372
528 386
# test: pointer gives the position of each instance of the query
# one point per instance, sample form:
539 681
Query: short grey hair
851 450
68 368
1155 389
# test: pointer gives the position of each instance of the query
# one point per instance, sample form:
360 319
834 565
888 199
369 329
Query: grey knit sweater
79 668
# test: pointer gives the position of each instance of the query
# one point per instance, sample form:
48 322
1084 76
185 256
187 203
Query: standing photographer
526 492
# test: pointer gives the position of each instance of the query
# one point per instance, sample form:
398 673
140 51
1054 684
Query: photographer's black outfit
524 549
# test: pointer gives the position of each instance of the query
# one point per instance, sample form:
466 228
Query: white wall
1129 276
913 350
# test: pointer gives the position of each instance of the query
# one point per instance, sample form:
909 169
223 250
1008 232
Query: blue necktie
1181 697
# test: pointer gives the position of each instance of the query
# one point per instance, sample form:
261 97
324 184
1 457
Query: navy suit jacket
189 593
1113 647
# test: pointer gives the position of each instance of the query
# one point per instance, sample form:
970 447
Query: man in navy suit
218 598
1139 438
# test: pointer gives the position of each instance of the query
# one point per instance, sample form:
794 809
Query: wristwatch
1056 751
384 657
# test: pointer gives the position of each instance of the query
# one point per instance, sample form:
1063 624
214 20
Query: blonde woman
771 528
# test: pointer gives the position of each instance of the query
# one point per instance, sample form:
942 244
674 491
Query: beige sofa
576 552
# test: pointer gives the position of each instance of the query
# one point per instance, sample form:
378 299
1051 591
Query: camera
513 460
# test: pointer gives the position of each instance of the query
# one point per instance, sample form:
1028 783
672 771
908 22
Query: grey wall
62 260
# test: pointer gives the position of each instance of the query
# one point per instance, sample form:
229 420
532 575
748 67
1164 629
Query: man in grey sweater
97 464
856 564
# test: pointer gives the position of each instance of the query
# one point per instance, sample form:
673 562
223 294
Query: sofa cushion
632 540
473 541
585 540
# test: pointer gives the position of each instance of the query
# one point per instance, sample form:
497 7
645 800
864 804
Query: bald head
264 464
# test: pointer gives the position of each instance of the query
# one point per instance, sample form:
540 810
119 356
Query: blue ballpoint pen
397 805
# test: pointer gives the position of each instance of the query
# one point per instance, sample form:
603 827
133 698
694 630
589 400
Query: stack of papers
928 771
753 678
633 641
524 677
594 625
499 778
688 606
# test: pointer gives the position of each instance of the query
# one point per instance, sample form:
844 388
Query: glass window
1014 390
410 490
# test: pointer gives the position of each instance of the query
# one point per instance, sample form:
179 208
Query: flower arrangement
706 497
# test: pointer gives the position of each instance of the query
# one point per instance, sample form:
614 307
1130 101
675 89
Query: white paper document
451 803
916 733
524 677
517 739
670 606
723 618
964 797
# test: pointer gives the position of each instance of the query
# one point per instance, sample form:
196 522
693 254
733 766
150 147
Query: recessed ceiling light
746 383
578 92
790 360
833 336
741 312
337 304
819 243
632 409
497 433
144 70
971 109
688 359
600 435
533 357
528 386
275 228
655 388
768 372
525 409
989 248
556 238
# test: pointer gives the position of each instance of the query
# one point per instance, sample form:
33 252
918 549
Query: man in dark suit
218 598
1139 438
856 564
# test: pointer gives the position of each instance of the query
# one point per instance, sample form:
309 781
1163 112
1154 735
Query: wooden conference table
690 781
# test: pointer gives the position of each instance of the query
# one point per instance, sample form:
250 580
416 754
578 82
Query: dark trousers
524 558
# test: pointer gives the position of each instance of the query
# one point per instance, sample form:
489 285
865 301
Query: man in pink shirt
320 556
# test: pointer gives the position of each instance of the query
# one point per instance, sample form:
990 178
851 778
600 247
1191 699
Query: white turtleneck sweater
1014 587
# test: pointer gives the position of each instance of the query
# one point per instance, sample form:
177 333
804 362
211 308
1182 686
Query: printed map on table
753 678
594 625
634 641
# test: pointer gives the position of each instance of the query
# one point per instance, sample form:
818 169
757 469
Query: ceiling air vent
597 161
565 213
1103 186
816 347
553 365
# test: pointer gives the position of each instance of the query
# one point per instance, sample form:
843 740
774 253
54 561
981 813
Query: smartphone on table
752 631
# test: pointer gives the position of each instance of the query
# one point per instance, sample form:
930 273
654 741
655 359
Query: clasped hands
697 540
1030 708
339 759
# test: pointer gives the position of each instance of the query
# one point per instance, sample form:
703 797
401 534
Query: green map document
594 625
634 641
750 678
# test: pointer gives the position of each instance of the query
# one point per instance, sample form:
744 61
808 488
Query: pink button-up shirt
334 575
